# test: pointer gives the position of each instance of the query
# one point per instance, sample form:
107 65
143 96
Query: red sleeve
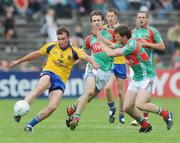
87 41
151 35
112 34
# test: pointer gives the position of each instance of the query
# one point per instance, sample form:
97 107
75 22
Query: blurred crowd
163 7
48 11
65 8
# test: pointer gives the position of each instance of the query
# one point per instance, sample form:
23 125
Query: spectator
21 6
173 36
34 8
135 4
165 9
158 62
63 9
176 59
122 5
98 4
77 38
49 27
4 65
176 4
9 26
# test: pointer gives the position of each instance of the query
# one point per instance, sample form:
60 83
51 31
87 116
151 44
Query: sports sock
143 123
76 116
121 117
71 109
146 115
162 112
111 106
121 114
34 121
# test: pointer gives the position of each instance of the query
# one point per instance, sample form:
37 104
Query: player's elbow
162 46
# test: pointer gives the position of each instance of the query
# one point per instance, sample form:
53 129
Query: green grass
93 126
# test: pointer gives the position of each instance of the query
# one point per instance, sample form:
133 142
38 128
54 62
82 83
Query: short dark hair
62 30
96 12
143 12
123 30
111 9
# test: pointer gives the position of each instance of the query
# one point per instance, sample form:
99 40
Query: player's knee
139 105
119 93
126 108
90 93
107 88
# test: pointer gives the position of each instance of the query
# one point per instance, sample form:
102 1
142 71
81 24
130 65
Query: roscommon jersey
60 61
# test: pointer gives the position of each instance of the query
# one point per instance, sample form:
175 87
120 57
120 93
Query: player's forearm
108 43
157 46
29 57
110 52
105 41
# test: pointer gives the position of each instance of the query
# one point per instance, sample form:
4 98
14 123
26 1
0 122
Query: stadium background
29 30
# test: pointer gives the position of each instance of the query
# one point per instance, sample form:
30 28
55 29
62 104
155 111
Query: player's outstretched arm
91 60
111 52
28 57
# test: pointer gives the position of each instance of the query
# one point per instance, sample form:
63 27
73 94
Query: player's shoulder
134 29
88 38
51 44
152 28
131 42
75 47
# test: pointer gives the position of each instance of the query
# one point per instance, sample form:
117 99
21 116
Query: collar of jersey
68 45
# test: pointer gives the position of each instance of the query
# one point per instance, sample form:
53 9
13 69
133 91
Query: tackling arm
106 42
90 60
111 52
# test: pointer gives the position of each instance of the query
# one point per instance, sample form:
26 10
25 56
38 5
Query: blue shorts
56 82
120 70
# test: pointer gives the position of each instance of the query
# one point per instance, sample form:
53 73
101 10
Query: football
21 108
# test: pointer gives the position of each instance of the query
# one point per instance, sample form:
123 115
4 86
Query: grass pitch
93 126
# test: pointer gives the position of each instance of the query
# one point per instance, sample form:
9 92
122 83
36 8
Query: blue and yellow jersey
60 61
119 59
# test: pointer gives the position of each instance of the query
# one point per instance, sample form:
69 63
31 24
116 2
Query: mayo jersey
91 42
60 61
118 59
149 34
139 60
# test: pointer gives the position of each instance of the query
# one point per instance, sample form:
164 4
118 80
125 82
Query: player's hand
95 66
143 43
13 63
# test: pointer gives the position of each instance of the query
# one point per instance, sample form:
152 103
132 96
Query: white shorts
149 84
101 77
